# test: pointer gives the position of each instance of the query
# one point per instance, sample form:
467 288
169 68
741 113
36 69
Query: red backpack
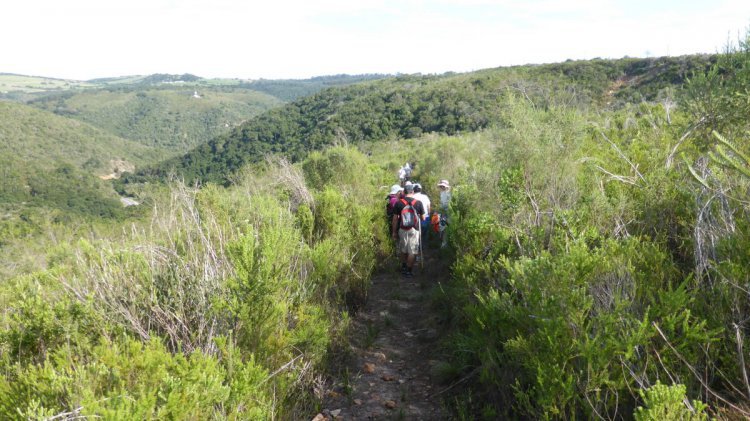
409 217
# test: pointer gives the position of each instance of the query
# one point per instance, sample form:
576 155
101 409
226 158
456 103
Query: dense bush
590 262
220 307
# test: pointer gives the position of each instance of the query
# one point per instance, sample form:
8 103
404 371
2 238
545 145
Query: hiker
442 219
404 174
445 195
390 200
408 214
419 195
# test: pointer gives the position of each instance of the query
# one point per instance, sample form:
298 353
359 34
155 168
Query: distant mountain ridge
291 89
23 88
156 78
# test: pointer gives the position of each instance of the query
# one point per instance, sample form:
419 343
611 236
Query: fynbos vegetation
223 305
597 241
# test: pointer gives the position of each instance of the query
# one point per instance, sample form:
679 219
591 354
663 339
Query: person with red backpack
408 213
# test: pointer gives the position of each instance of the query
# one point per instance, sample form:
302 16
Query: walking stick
421 248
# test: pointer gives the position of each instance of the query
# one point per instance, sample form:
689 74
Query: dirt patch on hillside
117 168
615 87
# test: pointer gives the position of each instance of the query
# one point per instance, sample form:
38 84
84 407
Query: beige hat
443 183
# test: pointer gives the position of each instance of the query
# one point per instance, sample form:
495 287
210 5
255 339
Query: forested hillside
172 120
49 174
408 106
47 140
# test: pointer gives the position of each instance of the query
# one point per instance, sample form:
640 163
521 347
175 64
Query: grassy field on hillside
35 84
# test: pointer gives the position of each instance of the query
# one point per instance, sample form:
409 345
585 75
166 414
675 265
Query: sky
277 39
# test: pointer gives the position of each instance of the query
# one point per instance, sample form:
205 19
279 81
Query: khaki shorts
408 241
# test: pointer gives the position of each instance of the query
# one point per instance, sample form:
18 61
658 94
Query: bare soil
387 373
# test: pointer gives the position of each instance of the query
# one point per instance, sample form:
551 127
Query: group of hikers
411 217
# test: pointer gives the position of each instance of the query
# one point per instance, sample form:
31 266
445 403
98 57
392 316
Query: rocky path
387 375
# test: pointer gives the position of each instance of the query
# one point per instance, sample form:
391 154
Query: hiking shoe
408 274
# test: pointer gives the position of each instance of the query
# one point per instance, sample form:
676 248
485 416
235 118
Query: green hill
49 176
47 140
171 119
407 106
52 162
171 112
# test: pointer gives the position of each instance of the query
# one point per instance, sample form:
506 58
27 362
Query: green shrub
668 403
564 329
130 379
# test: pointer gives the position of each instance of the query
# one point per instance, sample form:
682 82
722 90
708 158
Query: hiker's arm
394 225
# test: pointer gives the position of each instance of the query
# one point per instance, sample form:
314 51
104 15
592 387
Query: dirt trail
387 375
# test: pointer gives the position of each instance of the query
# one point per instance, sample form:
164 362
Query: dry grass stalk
165 283
623 156
285 174
714 220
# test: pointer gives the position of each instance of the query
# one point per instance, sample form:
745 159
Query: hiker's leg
410 261
413 248
443 230
403 249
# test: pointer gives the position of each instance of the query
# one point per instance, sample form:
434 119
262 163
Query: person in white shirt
425 224
445 195
419 195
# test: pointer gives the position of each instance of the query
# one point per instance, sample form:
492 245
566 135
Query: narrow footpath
387 375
